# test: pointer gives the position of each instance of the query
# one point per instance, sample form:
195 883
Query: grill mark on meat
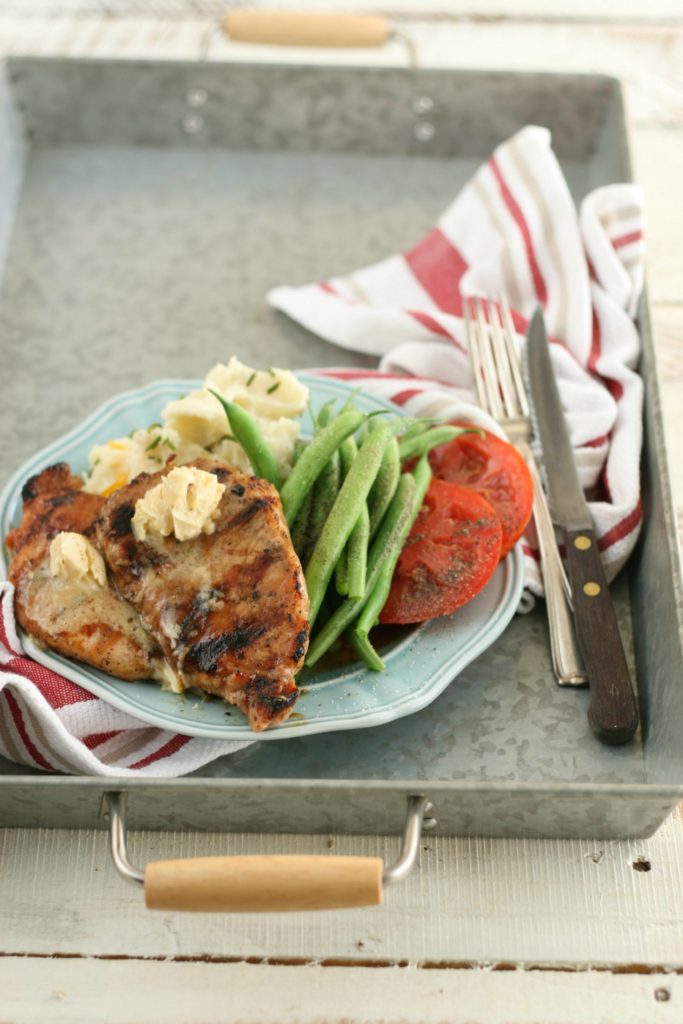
28 491
206 653
121 520
60 499
49 481
192 619
300 645
250 511
267 698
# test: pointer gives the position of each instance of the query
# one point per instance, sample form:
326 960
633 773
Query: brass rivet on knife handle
287 28
582 542
263 883
613 712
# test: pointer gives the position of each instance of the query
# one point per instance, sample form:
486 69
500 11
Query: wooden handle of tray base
285 28
613 711
263 883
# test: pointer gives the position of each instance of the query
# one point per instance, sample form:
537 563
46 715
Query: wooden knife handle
286 28
263 883
613 712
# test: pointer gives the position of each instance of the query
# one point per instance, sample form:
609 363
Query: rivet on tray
196 97
423 104
424 131
192 123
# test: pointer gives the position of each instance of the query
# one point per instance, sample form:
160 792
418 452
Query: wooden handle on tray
285 28
263 883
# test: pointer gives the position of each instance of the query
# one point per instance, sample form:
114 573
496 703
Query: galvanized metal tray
145 209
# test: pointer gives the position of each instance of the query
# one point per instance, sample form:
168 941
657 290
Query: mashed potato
196 426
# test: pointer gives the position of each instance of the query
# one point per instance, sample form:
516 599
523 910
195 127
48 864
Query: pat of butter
74 559
185 504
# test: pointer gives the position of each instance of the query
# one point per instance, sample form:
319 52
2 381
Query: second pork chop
229 609
92 624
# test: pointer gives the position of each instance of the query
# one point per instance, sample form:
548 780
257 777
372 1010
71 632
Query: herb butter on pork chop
228 606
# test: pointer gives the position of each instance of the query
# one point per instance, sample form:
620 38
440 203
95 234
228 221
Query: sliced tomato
494 469
450 554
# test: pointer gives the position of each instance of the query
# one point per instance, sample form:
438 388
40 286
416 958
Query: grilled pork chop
92 624
229 609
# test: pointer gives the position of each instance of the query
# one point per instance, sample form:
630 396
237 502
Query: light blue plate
419 666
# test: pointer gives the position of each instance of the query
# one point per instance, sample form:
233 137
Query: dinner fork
497 374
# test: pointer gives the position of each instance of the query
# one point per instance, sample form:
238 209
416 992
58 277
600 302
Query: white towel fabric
513 231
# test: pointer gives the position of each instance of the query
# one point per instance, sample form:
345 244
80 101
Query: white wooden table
485 930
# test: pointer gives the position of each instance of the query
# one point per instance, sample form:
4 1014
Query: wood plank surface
76 991
499 10
482 900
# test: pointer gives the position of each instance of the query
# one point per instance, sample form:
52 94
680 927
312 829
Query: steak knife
613 711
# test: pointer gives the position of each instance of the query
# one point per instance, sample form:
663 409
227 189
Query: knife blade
612 712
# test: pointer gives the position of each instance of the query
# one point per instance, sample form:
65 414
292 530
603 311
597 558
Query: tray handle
266 882
287 28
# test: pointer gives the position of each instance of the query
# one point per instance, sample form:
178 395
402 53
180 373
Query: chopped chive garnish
273 387
170 444
153 425
251 379
271 371
225 437
154 443
95 463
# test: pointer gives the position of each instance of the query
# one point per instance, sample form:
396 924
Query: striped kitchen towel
513 231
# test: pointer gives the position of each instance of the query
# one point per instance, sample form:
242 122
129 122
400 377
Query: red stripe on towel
18 720
438 266
518 217
172 747
622 529
96 738
622 240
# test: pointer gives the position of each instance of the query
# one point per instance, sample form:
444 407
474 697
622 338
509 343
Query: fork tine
501 355
488 364
475 361
509 334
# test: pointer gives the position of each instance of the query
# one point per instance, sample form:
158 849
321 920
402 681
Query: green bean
344 513
299 530
325 413
311 463
300 447
384 486
416 428
356 552
341 574
248 435
324 491
348 450
365 651
390 534
413 446
378 596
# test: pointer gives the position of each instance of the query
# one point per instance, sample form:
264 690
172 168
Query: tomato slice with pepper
494 469
450 554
